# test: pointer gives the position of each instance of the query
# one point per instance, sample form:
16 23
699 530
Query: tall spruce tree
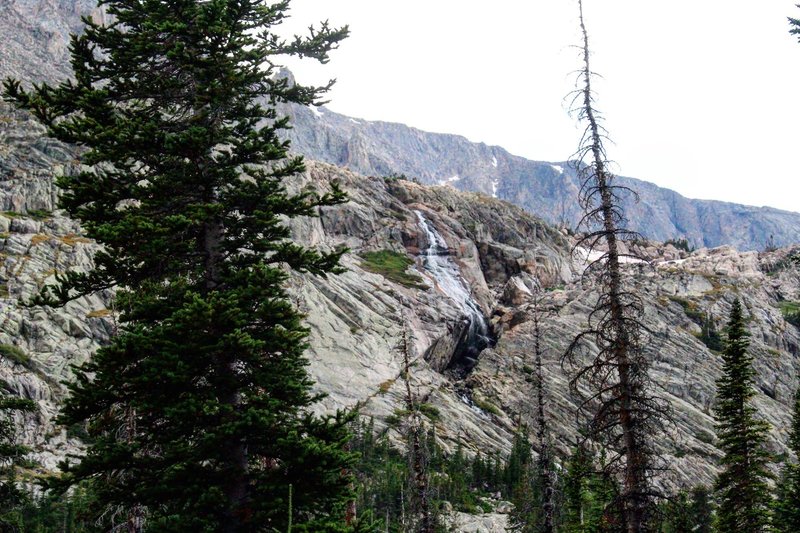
787 505
199 408
742 486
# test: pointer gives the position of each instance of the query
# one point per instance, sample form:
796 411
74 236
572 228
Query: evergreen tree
11 454
677 518
588 497
794 25
199 408
701 510
522 483
787 505
741 487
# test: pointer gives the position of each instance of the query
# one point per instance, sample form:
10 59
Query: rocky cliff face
500 253
36 34
547 189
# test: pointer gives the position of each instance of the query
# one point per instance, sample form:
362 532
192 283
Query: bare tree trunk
542 431
417 453
625 414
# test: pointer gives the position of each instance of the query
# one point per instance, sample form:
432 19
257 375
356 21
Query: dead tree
614 386
542 430
416 450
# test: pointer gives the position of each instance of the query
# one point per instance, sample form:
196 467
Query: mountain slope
35 49
357 318
547 189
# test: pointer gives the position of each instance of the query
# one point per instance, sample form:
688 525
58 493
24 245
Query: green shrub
430 411
690 309
680 244
392 265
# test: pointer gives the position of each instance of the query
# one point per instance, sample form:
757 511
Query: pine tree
741 487
199 408
588 497
701 510
11 454
795 26
677 518
787 505
521 482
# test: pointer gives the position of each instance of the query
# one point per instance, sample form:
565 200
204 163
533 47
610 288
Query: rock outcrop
502 253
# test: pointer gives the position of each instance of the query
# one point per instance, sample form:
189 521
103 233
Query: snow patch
354 121
558 168
584 257
314 109
494 188
450 180
494 162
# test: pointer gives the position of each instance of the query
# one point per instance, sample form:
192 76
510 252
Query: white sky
700 96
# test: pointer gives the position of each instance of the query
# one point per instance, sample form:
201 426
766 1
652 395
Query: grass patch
791 312
16 354
486 406
72 239
392 265
35 214
39 238
690 309
430 411
98 313
396 418
384 387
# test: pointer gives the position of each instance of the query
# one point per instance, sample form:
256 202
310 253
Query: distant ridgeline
548 190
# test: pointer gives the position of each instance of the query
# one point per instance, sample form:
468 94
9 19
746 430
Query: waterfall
437 261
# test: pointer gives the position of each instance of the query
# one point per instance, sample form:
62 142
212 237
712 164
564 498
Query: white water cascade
439 264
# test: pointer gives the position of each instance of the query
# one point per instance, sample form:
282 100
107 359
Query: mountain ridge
36 50
547 189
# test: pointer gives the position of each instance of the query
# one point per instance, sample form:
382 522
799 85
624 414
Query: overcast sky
701 96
